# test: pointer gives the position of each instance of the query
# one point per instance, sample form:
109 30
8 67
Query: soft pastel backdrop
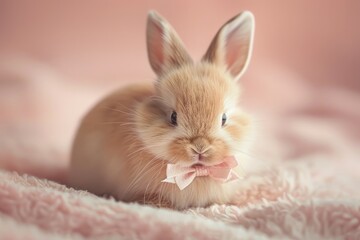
57 58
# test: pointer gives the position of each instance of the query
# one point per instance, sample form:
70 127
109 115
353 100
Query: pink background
105 40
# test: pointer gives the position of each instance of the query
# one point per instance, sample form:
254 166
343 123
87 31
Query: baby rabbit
189 118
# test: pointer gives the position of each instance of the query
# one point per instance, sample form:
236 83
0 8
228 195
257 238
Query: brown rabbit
189 116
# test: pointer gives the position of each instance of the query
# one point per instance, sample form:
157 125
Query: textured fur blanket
303 182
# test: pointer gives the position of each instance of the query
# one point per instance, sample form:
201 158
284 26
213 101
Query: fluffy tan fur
124 143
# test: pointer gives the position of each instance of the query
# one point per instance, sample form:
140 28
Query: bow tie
183 176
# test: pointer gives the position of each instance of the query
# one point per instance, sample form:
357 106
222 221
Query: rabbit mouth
198 165
201 164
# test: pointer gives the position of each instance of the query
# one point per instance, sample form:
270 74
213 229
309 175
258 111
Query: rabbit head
194 117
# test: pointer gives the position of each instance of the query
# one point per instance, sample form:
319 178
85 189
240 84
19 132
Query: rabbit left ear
165 49
232 45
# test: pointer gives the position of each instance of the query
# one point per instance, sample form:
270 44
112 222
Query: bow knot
201 171
183 176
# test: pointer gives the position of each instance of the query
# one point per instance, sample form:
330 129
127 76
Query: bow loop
220 174
173 170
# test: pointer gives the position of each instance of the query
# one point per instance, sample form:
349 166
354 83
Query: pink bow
183 176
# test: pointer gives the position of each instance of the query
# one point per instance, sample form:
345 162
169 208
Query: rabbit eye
223 119
173 118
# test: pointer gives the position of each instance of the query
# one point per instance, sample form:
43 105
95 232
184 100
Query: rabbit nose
200 144
199 155
199 151
199 147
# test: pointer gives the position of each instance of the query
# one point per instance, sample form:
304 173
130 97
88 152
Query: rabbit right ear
232 46
165 49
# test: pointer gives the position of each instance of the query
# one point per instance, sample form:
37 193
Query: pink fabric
183 176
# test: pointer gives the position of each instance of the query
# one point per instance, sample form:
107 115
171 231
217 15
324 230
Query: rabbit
189 116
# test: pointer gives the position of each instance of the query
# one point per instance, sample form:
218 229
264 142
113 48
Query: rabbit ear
232 45
165 49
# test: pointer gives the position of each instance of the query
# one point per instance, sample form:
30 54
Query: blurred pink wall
104 41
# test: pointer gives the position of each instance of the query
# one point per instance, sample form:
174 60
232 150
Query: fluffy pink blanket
303 182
